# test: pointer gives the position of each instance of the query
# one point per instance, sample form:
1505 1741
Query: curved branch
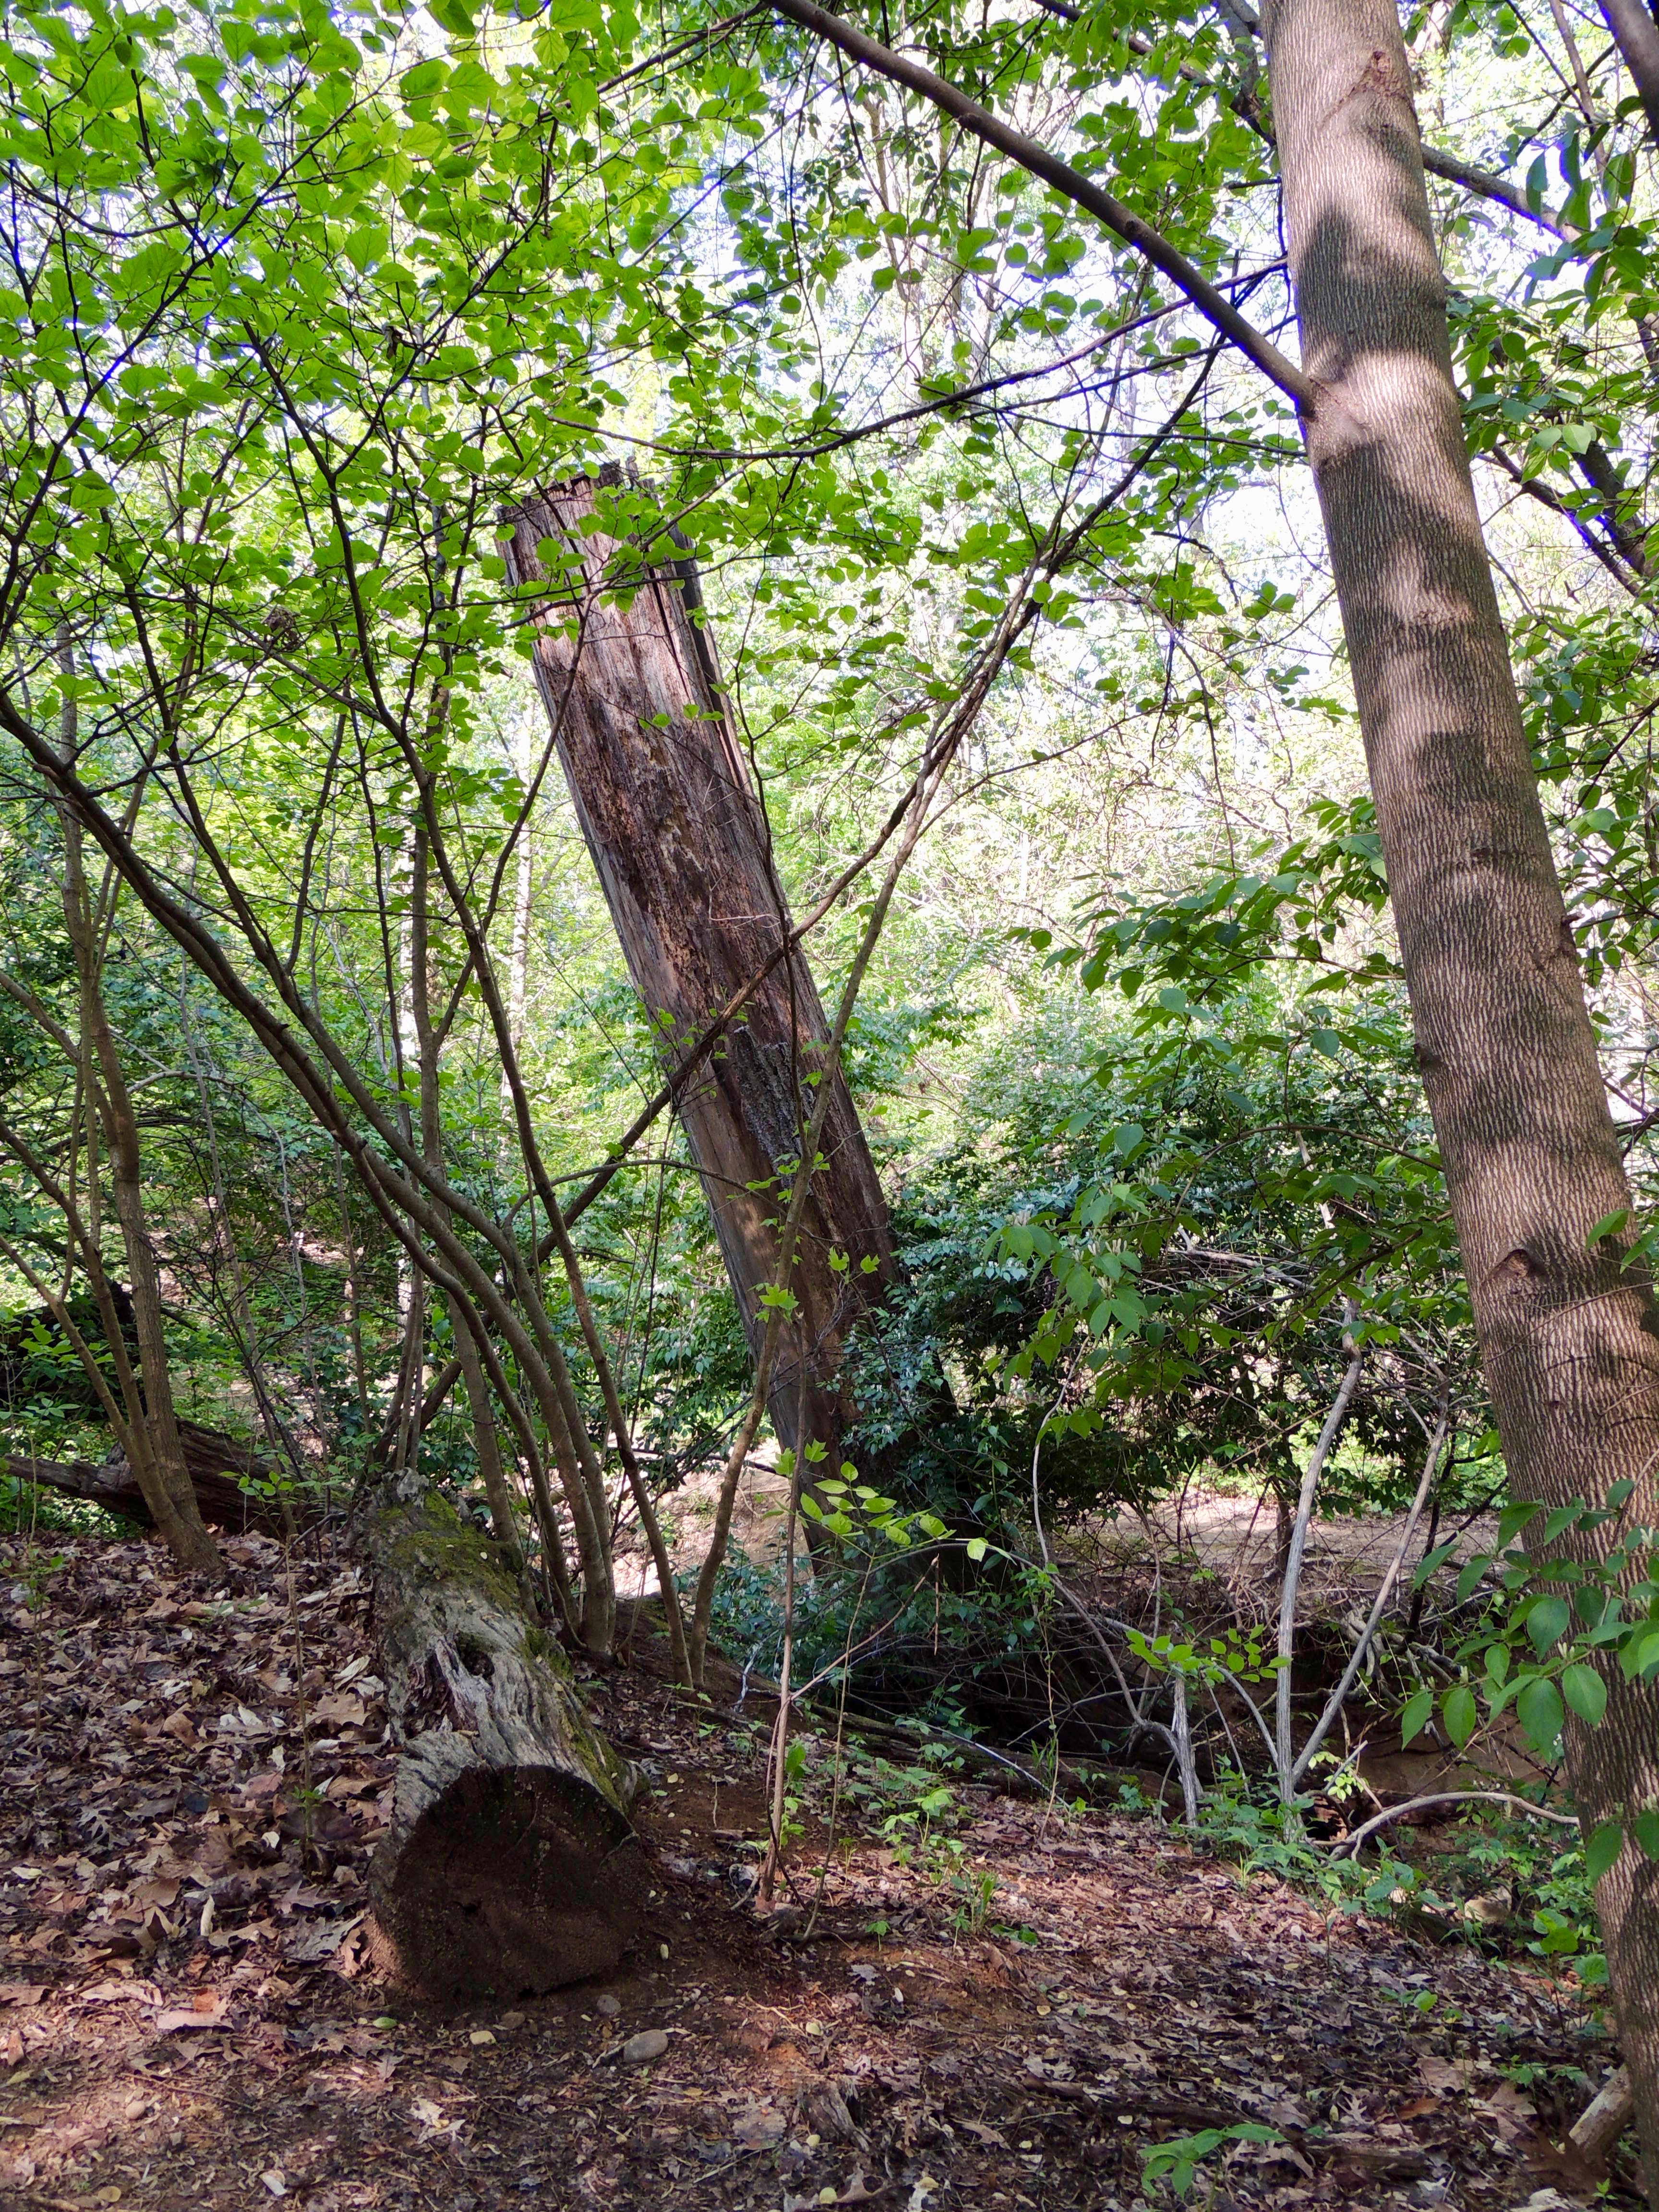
1350 1845
1212 303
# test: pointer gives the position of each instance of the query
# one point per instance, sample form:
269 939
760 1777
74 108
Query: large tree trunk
510 1866
678 837
1504 1041
1637 37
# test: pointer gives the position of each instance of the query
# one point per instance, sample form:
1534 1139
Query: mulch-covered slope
188 2015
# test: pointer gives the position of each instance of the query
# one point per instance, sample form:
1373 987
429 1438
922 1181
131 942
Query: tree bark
1504 1043
678 837
214 1463
417 994
124 1412
1637 37
510 1866
181 1527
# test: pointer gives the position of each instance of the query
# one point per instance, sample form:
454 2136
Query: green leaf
1585 1693
1538 1709
1608 1225
1548 1622
1645 1829
1432 1562
1419 1707
1512 1520
1460 1714
1472 1573
1561 1520
1601 1852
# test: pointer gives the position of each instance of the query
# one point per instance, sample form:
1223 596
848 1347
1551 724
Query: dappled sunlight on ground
1009 2009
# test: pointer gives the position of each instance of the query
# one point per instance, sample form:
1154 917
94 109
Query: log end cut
510 1866
505 1882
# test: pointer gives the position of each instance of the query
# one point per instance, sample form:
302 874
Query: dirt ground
192 1784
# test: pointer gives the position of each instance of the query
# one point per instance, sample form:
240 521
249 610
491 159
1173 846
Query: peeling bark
510 1866
678 836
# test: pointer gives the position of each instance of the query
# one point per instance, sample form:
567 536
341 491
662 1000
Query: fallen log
510 1866
1609 2112
215 1463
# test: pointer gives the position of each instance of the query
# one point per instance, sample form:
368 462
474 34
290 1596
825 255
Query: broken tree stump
510 1866
678 837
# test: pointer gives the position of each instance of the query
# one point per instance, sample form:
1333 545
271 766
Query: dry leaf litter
194 1780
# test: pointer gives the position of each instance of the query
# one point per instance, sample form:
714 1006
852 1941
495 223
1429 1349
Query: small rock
650 2043
607 2006
1490 1911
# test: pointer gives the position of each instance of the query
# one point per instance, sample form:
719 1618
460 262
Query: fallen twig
1349 1844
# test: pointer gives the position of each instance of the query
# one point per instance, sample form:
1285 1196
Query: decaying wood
215 1464
1609 2112
670 817
510 1865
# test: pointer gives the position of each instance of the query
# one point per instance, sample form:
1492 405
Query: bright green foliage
1180 2158
296 298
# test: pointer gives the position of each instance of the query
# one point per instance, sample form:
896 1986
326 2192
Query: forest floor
1230 1536
189 2017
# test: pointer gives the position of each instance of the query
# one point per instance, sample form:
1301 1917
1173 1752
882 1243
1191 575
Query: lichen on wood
510 1865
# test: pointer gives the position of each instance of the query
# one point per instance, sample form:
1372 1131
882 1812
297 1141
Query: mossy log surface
510 1866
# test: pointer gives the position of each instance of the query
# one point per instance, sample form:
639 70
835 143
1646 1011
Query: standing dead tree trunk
1508 1057
678 837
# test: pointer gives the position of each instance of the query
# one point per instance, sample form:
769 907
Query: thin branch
1322 1452
1216 308
1350 1845
1335 1702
